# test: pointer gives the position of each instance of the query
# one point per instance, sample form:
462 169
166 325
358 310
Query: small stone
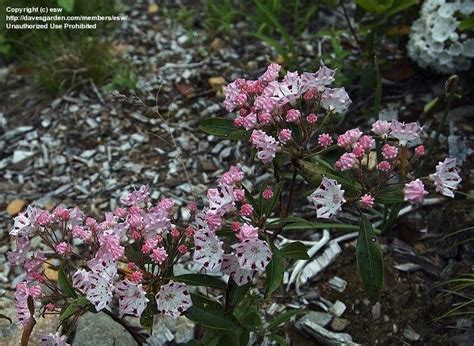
20 156
338 284
153 8
339 324
99 329
320 318
15 206
410 334
338 308
376 311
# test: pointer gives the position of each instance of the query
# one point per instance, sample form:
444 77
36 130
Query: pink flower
367 201
49 307
159 255
311 94
366 142
324 140
446 178
63 248
81 233
19 256
246 210
241 100
267 194
404 132
271 73
192 207
61 213
267 145
235 226
389 152
384 166
381 127
239 122
253 254
358 151
284 135
110 246
414 191
149 245
247 232
336 100
231 267
233 176
22 292
43 218
312 118
214 221
190 231
346 161
208 250
138 198
316 81
239 195
250 121
173 299
343 140
136 277
265 118
175 233
132 298
293 115
328 198
120 212
232 91
182 249
420 150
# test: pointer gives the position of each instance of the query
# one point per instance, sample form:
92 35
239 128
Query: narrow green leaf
294 250
252 320
236 292
271 205
314 225
281 341
65 285
223 127
146 319
210 318
369 260
75 306
467 24
390 195
282 318
201 280
274 270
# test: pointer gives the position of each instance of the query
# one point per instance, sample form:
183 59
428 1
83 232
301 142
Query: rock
99 329
15 206
324 336
21 156
376 311
320 318
338 308
339 324
338 284
410 334
166 329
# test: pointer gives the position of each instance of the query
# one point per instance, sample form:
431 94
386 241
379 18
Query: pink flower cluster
227 201
267 107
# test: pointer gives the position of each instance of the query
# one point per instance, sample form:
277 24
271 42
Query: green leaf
75 306
399 6
375 6
252 320
294 250
467 24
282 318
210 318
65 285
68 5
369 260
146 319
223 127
236 292
201 280
274 270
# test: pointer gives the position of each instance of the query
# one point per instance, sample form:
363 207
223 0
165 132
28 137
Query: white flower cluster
435 40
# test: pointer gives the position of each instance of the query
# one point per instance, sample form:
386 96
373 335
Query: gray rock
100 329
320 318
324 336
20 156
338 308
338 283
166 329
410 334
339 324
376 311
